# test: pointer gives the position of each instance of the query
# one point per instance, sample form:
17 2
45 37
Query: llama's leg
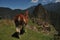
20 28
26 26
16 34
22 31
17 29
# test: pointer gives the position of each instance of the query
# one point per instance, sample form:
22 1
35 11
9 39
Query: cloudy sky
23 4
57 1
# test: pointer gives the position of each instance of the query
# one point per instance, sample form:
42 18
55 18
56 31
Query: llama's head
26 13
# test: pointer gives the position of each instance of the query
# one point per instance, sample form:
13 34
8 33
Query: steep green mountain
54 14
40 12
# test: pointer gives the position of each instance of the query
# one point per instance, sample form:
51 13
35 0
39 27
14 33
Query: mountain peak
39 4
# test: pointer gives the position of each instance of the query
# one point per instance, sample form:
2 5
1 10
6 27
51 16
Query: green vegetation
7 28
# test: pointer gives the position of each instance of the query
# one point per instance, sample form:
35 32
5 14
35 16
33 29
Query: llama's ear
26 12
19 18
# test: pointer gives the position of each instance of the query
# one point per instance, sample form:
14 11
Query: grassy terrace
7 28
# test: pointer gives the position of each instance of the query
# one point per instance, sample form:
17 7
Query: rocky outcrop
39 14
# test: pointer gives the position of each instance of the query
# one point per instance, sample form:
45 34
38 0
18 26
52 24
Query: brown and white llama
20 21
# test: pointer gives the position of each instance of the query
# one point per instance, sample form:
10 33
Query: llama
20 21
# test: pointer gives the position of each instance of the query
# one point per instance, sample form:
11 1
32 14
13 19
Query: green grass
7 30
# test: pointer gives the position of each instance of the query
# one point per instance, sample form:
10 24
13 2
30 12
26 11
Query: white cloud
43 0
46 0
57 1
34 1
